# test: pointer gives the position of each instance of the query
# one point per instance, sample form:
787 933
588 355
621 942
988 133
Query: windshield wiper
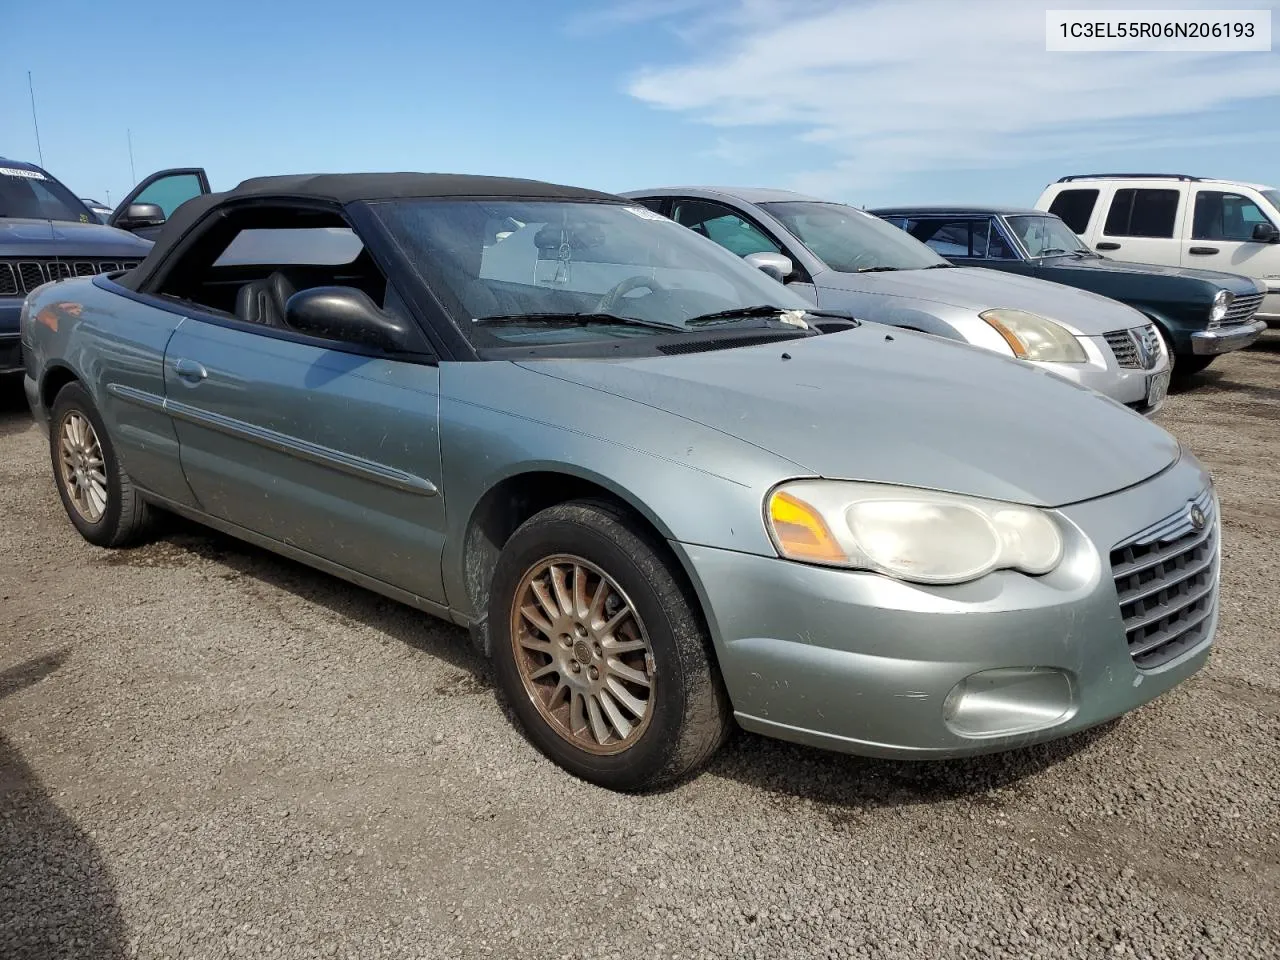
1086 254
574 320
741 313
875 269
1052 251
939 266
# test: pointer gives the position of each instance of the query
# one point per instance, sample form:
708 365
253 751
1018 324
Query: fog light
1009 700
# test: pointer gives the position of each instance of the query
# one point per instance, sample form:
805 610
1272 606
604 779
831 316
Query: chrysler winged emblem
1197 517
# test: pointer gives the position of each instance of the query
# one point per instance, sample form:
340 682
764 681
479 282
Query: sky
864 101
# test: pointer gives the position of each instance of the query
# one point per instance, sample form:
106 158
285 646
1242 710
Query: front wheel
599 649
96 491
1191 365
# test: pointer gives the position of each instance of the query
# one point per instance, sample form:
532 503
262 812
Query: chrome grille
1122 345
20 277
1242 309
1136 349
1166 580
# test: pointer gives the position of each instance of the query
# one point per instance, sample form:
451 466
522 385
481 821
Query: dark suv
47 233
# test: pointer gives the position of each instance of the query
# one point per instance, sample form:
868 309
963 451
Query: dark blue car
47 233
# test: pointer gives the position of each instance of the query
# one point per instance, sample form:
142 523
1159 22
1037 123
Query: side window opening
974 238
1224 216
169 193
947 238
1142 213
724 226
248 266
1074 208
655 204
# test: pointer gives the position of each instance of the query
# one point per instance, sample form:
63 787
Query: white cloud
880 88
605 17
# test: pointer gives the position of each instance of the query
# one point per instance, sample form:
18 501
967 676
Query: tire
663 640
121 517
1189 366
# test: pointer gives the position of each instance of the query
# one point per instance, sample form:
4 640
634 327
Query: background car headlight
1221 304
1033 337
910 534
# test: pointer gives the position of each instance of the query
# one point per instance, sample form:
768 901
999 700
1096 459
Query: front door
332 452
1221 238
168 190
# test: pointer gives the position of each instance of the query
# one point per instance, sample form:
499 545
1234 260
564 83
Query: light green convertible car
660 491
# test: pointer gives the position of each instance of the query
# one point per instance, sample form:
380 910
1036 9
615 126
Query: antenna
35 123
132 173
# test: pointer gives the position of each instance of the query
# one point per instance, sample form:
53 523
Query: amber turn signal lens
801 532
1011 338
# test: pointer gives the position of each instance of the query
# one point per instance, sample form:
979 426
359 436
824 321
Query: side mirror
1265 233
776 265
141 215
347 314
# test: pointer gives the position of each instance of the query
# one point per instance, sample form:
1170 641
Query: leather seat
262 301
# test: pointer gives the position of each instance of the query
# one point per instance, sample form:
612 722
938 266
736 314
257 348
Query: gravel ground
207 751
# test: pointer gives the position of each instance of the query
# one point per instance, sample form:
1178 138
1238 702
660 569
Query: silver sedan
842 258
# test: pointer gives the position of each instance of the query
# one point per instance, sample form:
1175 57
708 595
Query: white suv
1177 220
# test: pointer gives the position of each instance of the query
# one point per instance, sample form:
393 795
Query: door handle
1107 245
1202 251
190 371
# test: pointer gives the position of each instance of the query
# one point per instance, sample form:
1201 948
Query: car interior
251 263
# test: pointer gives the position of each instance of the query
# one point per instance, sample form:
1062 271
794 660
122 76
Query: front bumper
864 664
10 353
1132 386
1226 339
10 344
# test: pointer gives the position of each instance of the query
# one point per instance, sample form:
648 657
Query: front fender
694 484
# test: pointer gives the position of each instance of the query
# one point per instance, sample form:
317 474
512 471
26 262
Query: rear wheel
97 493
599 649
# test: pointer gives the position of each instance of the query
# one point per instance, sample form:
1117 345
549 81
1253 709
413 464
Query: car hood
976 289
1241 286
901 408
62 238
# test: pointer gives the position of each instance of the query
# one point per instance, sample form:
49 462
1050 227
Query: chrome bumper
1226 339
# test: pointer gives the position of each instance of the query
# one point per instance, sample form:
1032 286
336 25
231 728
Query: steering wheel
610 300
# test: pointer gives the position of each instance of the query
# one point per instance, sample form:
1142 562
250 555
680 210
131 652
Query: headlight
907 533
1221 304
1032 337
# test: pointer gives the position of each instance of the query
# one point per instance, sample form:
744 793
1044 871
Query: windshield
1273 198
848 240
1045 236
34 195
554 271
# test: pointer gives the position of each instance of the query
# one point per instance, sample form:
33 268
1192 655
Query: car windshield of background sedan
544 272
850 241
1046 236
31 195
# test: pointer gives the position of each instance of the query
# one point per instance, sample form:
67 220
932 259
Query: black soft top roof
344 188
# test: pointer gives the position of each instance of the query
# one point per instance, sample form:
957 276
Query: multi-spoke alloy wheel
583 654
99 495
600 649
84 474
